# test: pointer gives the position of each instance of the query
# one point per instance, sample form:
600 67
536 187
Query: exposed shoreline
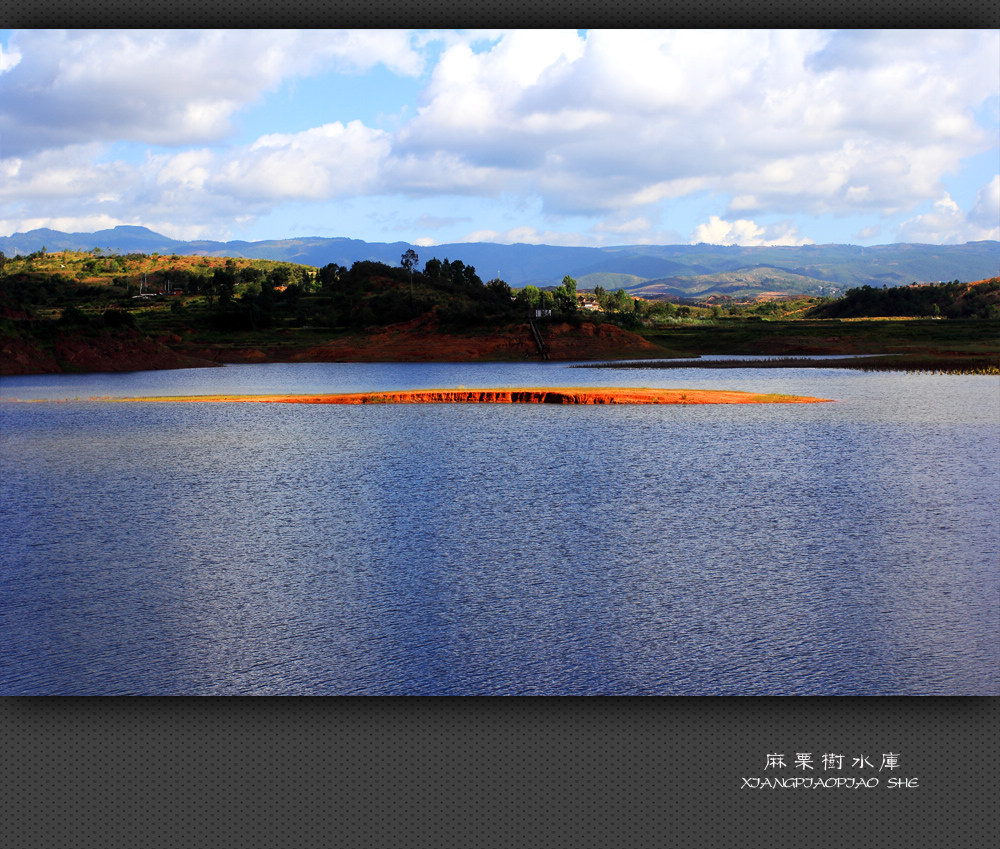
952 347
533 395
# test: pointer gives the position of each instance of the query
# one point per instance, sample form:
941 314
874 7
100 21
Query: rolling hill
651 271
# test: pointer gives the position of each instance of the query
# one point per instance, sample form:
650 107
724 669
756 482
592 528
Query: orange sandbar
513 396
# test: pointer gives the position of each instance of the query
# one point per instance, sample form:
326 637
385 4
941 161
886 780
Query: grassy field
917 336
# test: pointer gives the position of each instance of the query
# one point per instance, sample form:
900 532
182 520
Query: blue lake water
846 548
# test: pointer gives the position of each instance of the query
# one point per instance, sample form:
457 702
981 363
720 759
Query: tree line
944 300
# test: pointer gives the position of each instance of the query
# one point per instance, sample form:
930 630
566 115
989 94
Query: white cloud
55 177
879 176
717 231
610 124
67 224
947 223
168 87
8 59
210 187
317 164
986 212
788 121
198 192
190 170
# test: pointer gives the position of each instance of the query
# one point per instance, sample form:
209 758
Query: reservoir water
848 548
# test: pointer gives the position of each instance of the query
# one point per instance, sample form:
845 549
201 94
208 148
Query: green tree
408 260
281 275
470 277
621 301
528 297
565 295
329 275
564 301
432 268
501 289
224 282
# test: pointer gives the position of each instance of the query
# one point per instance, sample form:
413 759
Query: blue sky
553 137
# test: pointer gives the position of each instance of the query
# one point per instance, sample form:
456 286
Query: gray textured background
490 772
450 13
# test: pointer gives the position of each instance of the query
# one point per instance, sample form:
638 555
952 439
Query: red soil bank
78 352
420 340
513 396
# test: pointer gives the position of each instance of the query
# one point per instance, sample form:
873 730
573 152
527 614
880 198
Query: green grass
830 337
949 364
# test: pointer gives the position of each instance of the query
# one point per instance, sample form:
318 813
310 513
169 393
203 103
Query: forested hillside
647 270
93 311
945 300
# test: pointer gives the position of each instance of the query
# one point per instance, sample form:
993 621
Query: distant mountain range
651 271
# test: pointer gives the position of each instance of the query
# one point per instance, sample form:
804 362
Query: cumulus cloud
169 87
8 59
615 125
717 231
317 164
986 213
947 223
60 176
787 121
203 185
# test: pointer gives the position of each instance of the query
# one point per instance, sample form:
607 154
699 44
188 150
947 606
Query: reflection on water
846 548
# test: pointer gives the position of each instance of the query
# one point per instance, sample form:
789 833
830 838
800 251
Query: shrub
117 319
73 317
